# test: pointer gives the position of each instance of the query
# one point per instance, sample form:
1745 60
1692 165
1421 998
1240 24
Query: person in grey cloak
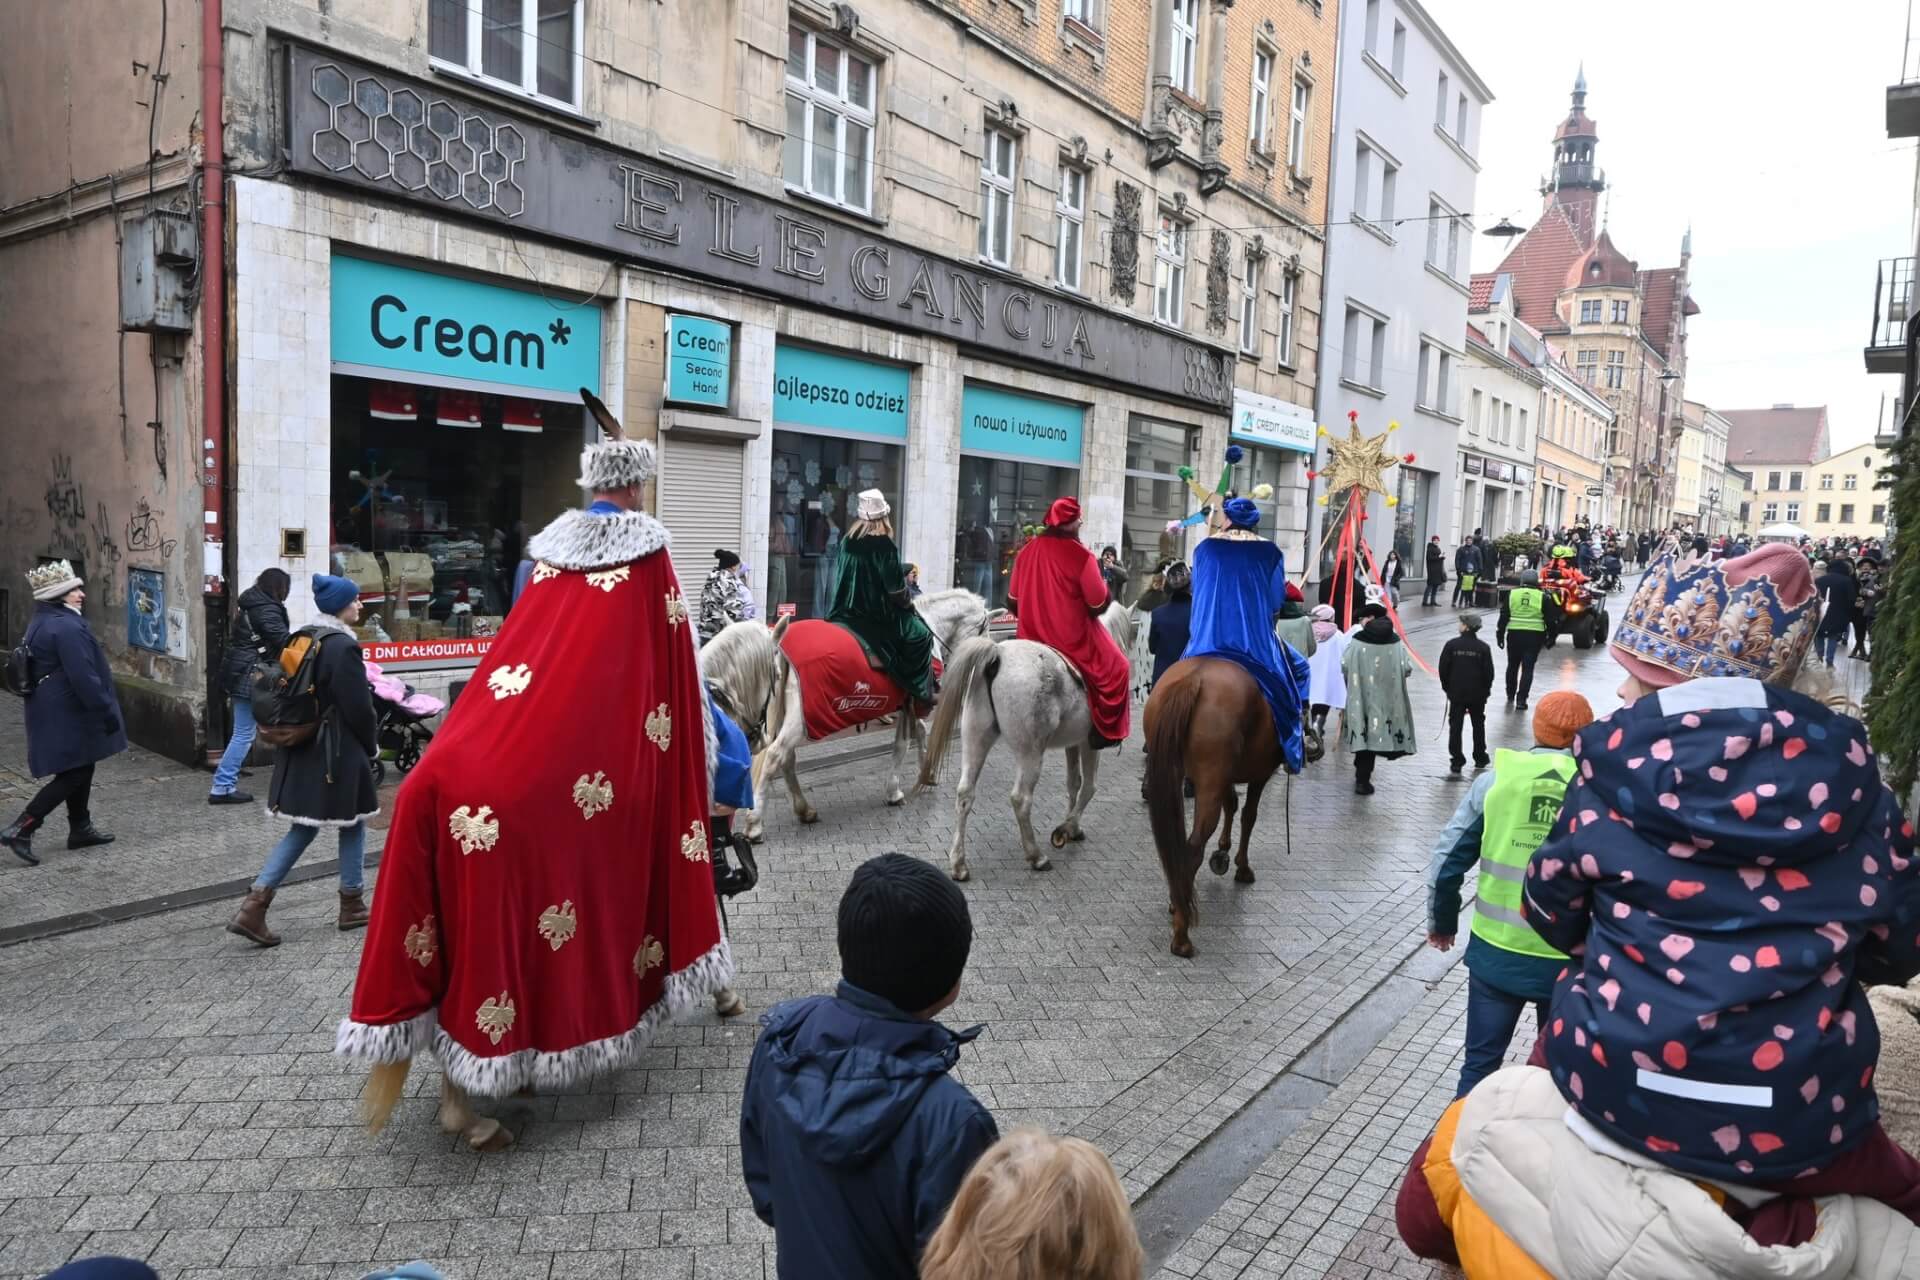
1379 717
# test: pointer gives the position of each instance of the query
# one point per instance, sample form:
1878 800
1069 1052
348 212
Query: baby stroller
402 715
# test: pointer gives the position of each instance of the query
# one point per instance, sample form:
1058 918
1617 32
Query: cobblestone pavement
167 1092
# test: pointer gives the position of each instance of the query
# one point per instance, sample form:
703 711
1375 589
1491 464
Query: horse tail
1166 765
976 656
384 1085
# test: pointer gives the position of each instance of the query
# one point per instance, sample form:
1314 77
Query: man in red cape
1059 595
546 896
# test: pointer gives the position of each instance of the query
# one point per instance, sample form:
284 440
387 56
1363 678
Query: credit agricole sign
413 140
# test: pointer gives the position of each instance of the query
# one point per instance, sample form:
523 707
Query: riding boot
353 910
84 835
250 922
19 838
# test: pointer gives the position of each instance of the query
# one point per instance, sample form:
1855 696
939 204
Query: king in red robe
546 898
1058 594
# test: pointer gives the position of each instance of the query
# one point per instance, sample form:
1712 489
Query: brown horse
1206 722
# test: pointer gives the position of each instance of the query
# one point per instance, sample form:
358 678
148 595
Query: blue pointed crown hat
1241 513
1751 616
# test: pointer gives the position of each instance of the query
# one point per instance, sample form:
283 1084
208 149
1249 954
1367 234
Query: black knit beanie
726 558
904 931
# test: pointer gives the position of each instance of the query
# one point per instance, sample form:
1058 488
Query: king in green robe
871 600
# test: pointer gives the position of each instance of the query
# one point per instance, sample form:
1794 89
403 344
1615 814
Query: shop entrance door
701 488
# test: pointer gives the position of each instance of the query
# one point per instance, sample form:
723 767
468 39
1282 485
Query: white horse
760 690
1029 694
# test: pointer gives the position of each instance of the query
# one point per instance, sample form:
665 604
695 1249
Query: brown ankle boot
353 910
250 922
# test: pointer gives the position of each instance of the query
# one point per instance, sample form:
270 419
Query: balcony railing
1892 303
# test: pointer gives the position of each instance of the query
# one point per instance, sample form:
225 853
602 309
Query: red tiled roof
1656 307
1781 434
1539 262
1603 264
1578 124
1482 284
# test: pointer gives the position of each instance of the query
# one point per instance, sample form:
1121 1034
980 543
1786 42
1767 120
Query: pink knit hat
1690 619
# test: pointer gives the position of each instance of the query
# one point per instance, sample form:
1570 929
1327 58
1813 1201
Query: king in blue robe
1239 584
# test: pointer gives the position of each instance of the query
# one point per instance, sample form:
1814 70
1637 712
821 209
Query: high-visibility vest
1522 806
1526 610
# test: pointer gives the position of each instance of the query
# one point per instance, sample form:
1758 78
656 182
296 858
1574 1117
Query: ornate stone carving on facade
1173 126
1256 248
846 20
1213 169
1219 253
1077 149
1123 269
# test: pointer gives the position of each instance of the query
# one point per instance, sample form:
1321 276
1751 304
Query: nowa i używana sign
412 140
388 318
993 421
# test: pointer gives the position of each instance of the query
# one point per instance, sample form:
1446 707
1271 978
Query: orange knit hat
1559 716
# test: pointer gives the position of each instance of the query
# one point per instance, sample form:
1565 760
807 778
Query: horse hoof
808 817
1058 839
728 1003
1078 835
1218 864
1043 864
1243 876
1182 948
488 1134
960 873
897 799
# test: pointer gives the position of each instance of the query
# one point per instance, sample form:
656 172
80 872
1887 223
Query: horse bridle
755 730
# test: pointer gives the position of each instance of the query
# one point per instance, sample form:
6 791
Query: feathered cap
615 462
1750 616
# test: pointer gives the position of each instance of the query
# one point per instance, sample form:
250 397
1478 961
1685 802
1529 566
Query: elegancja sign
413 140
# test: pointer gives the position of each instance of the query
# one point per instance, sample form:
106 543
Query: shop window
829 146
1170 271
1000 500
531 47
814 482
1153 494
997 169
434 493
1259 465
1411 517
1069 226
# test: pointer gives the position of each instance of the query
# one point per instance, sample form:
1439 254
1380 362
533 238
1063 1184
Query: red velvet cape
546 895
1058 592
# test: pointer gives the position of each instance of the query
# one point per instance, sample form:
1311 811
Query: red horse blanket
839 687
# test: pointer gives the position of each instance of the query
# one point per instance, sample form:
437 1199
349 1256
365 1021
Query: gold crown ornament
52 580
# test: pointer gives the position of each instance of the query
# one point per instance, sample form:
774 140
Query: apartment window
1794 480
1460 121
1476 404
1170 271
1773 481
1849 483
1399 51
1441 99
1506 422
1846 513
1297 126
1823 513
829 150
1453 264
1371 42
1069 224
1363 358
1250 307
1185 39
1588 365
1081 11
1434 216
1287 282
1522 440
1793 513
1590 311
1879 513
1260 126
1616 369
1436 378
1370 204
1619 311
997 168
1826 482
1770 512
528 46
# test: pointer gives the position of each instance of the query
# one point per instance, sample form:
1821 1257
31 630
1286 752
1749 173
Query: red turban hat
1063 512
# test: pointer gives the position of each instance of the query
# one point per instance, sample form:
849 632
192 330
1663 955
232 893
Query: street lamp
1505 229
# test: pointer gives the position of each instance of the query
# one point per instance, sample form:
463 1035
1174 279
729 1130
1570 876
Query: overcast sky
1761 122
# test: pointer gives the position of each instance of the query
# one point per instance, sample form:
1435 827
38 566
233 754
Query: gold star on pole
1358 462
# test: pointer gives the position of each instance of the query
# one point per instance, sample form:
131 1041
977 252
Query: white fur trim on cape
616 464
588 540
498 1077
326 822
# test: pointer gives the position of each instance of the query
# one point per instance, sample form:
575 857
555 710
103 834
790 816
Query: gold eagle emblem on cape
593 795
676 608
651 953
608 579
660 726
543 571
693 845
495 1016
558 924
474 830
508 681
419 942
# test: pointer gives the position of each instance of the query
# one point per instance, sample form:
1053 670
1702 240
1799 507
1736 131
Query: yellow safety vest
1526 610
1522 806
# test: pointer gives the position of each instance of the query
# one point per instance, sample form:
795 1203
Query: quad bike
1583 615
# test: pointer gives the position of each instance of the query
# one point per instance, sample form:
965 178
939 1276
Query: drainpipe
213 295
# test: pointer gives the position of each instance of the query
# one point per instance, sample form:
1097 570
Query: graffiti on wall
147 610
144 532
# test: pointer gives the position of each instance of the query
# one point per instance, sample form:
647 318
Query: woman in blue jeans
258 634
326 781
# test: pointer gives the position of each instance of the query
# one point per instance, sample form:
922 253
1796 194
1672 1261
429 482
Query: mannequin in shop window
871 599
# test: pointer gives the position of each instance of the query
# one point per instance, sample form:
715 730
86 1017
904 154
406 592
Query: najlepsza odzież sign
699 361
839 393
401 320
1015 425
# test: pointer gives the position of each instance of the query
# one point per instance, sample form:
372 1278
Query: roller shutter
701 486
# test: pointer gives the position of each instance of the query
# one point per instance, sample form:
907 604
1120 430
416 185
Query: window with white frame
1170 272
1476 405
829 148
1371 38
1619 310
1081 11
998 153
1260 123
1587 365
1250 307
1826 482
1773 480
1288 280
1436 213
1793 480
1506 422
1769 512
1453 259
531 47
1460 121
1069 226
1591 310
1436 378
1522 440
1364 355
1793 513
1399 50
1616 370
1184 38
1297 126
1440 99
1850 482
1846 513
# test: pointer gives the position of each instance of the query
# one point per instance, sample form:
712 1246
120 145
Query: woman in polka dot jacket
1726 872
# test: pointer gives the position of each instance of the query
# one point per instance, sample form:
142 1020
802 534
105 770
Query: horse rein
756 730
